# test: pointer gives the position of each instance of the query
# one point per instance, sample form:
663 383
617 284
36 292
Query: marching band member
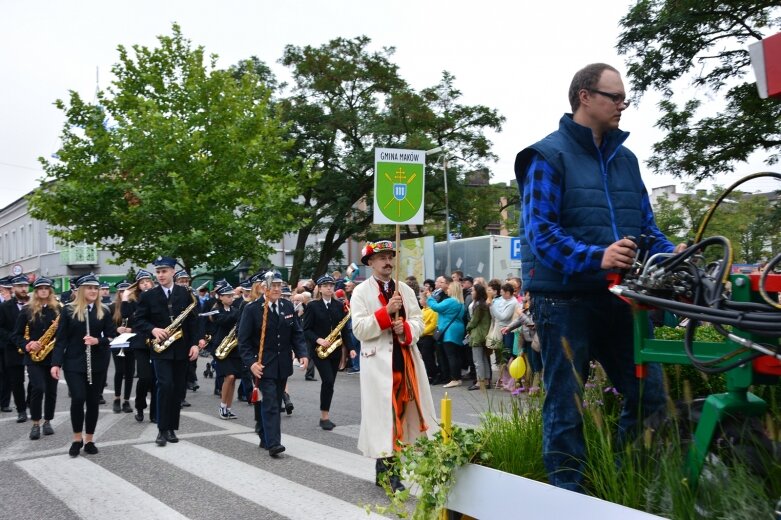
6 292
37 321
14 356
229 368
272 324
321 317
396 403
82 352
124 360
147 381
157 309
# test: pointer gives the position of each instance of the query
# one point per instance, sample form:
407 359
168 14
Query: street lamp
443 151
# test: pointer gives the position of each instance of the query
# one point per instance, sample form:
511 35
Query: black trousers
42 384
453 355
147 382
171 381
267 411
427 352
124 369
5 384
310 369
327 368
16 385
84 394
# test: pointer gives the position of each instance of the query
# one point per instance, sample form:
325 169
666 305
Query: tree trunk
298 254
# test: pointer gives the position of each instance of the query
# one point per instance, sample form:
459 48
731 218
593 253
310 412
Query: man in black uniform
321 317
6 291
157 309
282 334
14 356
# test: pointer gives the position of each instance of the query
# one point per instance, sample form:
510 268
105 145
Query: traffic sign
515 248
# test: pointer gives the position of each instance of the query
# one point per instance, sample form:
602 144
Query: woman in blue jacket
450 320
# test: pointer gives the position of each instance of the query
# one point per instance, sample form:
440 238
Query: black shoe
101 400
35 432
116 407
47 428
161 440
152 419
288 403
475 386
91 448
22 417
326 424
126 408
395 483
262 443
170 436
193 387
274 451
217 392
185 404
75 448
139 415
6 409
353 370
310 378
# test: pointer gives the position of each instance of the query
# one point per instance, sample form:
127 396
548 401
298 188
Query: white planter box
486 494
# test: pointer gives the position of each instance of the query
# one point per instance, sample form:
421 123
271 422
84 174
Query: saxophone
335 337
174 330
47 340
226 345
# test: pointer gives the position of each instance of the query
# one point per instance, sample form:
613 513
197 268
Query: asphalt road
215 471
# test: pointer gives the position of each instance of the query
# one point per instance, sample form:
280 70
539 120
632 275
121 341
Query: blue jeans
597 326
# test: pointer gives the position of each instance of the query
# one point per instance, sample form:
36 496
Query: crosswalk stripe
335 459
285 497
93 492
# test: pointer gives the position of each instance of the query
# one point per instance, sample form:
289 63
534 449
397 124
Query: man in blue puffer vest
582 195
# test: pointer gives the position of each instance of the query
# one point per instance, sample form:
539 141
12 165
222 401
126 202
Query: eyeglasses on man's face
618 99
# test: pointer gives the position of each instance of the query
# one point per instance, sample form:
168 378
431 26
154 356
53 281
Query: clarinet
89 354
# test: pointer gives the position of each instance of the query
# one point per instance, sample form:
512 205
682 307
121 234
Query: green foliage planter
498 467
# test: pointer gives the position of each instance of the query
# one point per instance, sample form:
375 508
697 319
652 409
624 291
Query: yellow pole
446 414
446 424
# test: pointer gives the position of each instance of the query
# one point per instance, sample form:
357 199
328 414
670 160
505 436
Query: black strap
454 319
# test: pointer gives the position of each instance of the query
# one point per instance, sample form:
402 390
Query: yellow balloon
517 368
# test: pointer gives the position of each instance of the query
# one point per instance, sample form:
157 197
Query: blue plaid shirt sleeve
550 244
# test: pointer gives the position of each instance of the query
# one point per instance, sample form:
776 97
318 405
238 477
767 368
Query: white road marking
285 497
93 492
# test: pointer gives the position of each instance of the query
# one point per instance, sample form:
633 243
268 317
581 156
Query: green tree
703 43
746 219
347 100
175 157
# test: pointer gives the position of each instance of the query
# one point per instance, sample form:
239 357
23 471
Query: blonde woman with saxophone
229 364
321 319
82 352
34 333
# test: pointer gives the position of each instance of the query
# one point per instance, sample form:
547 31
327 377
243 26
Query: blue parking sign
515 248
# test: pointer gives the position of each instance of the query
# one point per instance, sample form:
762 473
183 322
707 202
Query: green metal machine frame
736 401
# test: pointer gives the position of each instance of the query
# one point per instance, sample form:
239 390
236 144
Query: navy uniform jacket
284 336
319 321
70 351
9 313
128 310
153 312
38 328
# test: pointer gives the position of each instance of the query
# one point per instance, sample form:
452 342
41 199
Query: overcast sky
517 57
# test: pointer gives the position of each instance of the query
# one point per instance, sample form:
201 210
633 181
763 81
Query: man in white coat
396 403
